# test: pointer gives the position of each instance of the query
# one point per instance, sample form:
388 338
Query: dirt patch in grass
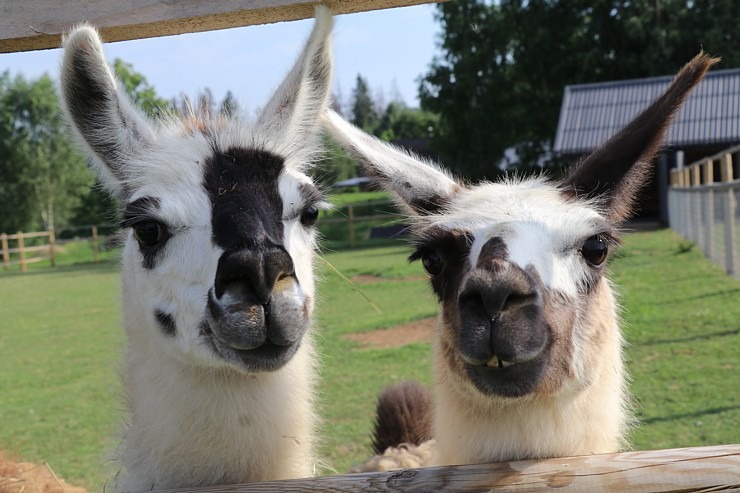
416 331
17 477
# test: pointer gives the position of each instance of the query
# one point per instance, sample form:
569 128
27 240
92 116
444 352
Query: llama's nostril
252 273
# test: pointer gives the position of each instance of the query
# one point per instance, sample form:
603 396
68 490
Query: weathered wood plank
38 24
715 468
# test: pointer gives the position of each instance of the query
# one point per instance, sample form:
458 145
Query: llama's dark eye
150 233
595 250
309 216
432 262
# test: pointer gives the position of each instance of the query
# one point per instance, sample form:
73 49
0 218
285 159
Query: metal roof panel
591 113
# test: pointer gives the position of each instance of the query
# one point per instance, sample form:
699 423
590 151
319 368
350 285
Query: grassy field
60 344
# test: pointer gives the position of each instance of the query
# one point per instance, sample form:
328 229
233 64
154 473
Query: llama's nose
251 273
498 290
501 315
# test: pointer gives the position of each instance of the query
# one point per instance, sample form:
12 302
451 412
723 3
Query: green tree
141 93
363 107
401 122
229 106
498 82
43 176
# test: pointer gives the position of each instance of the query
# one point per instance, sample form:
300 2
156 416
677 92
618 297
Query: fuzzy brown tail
403 415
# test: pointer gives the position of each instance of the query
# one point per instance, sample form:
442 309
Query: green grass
60 344
342 199
59 348
683 325
352 376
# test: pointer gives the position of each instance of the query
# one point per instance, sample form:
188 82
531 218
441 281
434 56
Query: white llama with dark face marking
528 349
217 274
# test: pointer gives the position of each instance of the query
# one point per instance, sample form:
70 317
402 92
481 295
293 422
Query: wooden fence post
21 250
729 214
708 207
351 223
52 242
96 253
6 254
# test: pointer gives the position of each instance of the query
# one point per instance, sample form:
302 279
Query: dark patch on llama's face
166 322
151 234
451 248
495 336
247 209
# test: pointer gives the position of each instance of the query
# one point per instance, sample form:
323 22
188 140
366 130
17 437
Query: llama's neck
578 420
197 426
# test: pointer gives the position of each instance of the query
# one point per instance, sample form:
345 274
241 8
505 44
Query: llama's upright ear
293 111
109 127
618 169
422 187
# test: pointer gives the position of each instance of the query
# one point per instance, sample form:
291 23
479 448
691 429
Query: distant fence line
347 216
703 207
349 225
16 251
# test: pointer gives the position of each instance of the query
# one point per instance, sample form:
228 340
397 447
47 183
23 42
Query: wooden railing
22 250
15 251
346 215
715 468
38 24
702 206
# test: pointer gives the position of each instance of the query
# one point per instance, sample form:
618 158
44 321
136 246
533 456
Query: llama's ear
293 111
109 127
422 187
618 169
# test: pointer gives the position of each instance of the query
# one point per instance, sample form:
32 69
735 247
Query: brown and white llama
528 349
217 271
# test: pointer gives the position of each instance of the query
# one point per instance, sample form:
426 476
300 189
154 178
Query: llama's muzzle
503 334
256 310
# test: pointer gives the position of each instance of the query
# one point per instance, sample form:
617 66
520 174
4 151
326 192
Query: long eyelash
416 254
610 238
321 205
438 238
139 210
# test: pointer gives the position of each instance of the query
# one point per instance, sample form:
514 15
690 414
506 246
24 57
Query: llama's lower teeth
498 363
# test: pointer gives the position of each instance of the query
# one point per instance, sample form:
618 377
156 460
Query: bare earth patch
416 331
24 477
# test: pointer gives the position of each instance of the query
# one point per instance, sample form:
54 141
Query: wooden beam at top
38 24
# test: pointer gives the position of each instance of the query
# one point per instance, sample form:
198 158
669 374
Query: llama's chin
265 358
507 379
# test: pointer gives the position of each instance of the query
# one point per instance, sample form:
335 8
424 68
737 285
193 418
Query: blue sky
390 48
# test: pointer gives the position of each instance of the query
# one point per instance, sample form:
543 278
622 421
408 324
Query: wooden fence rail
38 24
22 249
351 219
46 251
714 468
702 206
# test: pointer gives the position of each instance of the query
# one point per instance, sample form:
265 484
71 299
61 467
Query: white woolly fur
194 419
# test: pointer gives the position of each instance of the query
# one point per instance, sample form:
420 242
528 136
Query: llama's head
518 266
219 214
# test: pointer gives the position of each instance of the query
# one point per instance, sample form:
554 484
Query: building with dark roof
708 122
